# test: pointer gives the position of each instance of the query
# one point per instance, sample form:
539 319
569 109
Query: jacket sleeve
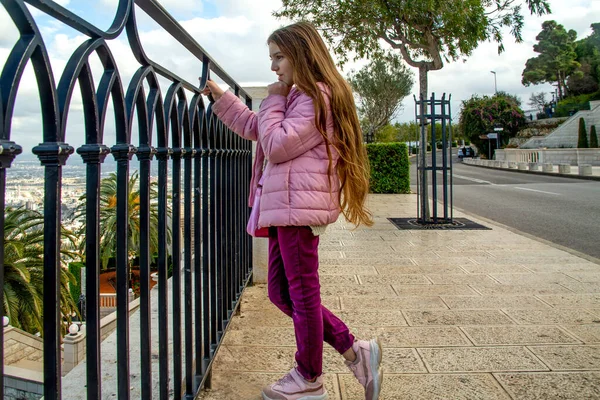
284 138
236 115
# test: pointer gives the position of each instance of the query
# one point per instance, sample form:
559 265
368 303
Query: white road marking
468 178
534 190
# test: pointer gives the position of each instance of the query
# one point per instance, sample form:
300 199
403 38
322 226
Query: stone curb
574 176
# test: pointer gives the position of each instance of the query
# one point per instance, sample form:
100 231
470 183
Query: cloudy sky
234 33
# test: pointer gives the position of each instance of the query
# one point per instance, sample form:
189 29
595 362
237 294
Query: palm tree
108 218
24 270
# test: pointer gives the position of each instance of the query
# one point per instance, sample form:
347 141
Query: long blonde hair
302 45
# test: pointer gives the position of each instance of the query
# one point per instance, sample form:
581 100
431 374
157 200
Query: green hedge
390 167
75 269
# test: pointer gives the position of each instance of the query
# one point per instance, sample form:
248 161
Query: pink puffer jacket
296 191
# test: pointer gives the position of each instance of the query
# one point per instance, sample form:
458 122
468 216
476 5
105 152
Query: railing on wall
211 270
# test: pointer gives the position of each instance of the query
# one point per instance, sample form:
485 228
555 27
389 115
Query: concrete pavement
461 315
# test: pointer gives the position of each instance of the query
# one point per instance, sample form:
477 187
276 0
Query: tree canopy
588 55
108 218
380 86
556 59
480 115
425 32
24 270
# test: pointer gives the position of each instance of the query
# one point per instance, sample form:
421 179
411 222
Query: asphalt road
565 211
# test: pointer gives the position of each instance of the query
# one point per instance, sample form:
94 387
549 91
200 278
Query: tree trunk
425 214
559 84
564 84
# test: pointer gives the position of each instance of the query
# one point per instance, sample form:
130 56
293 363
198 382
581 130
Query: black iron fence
206 193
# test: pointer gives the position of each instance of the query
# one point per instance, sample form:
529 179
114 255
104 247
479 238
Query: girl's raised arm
236 115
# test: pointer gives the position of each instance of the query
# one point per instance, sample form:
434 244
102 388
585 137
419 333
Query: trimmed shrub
572 104
593 138
390 168
582 142
75 269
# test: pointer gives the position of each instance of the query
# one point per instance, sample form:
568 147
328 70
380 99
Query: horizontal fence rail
197 200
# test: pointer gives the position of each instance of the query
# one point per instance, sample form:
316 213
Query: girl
316 167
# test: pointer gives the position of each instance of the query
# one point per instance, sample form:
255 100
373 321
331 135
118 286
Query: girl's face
281 65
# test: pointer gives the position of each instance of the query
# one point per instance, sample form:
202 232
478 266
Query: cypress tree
593 138
582 142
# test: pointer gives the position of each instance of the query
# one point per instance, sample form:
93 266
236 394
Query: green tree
380 87
556 59
582 141
588 55
593 138
480 115
386 134
108 218
24 270
425 32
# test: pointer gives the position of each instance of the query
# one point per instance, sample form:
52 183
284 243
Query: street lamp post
495 82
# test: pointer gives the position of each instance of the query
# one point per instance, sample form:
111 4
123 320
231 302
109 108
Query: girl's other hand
279 88
214 89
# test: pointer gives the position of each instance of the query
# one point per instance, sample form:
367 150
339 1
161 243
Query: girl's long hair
302 45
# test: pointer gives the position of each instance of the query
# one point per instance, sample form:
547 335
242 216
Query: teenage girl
316 167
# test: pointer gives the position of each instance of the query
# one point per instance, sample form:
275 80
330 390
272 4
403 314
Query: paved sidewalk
461 315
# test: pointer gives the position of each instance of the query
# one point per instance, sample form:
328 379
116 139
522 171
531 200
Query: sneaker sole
376 355
319 397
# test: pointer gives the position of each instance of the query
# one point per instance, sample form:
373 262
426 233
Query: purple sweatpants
294 288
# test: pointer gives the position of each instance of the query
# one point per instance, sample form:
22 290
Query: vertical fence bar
418 155
122 153
93 155
236 182
176 260
198 292
206 276
212 211
451 162
187 266
445 148
145 154
433 159
163 310
227 209
52 156
242 210
9 150
219 230
423 161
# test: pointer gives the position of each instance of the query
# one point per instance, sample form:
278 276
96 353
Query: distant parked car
466 151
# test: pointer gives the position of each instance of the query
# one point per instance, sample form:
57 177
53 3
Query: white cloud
190 6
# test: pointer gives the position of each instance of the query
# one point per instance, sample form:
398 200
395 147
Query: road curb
587 178
530 236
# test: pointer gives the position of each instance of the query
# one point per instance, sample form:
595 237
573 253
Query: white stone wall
551 156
